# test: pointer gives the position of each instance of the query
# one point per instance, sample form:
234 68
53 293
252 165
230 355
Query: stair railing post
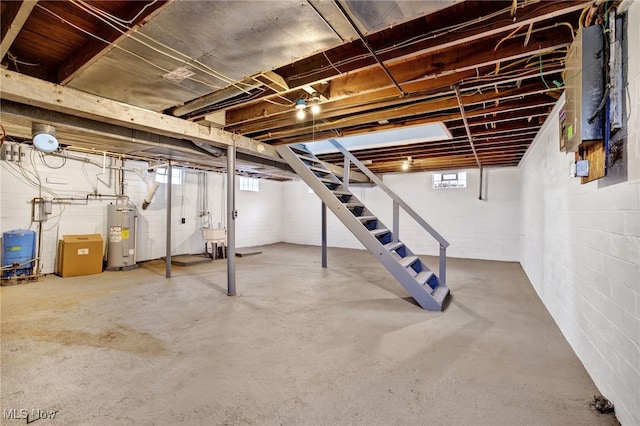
345 176
442 275
396 222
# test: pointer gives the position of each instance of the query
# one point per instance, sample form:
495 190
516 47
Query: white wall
258 221
581 251
488 229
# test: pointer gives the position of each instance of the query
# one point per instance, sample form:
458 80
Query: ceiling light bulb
315 109
300 114
405 165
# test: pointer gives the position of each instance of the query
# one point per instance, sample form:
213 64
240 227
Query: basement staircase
427 288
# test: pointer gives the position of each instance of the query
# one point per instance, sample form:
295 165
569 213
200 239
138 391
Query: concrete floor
298 345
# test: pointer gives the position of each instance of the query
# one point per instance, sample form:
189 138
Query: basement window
176 175
450 180
249 184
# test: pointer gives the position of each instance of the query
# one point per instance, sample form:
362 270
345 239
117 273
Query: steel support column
324 235
231 220
168 241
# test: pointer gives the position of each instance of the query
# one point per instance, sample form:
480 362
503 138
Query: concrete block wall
258 222
487 229
580 249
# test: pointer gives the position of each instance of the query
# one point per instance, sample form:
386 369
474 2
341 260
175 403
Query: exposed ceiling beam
32 91
439 24
404 111
107 119
239 121
14 23
438 67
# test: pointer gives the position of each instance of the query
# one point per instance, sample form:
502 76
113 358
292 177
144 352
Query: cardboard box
80 255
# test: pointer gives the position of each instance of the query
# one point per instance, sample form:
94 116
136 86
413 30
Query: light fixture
44 137
407 163
315 103
301 104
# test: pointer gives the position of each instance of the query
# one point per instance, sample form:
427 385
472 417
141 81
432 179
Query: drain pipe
466 126
369 48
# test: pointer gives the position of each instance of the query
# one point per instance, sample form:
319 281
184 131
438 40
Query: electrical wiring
104 16
132 20
15 60
124 50
541 74
431 35
44 161
86 176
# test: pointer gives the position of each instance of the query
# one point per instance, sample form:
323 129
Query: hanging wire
100 14
123 49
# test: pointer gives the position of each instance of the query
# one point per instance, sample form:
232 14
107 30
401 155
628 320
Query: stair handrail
375 179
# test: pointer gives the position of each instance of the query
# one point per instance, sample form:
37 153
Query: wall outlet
184 220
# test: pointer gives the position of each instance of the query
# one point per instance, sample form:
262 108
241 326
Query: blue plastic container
18 247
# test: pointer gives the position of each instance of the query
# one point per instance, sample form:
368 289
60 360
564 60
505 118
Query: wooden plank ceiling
506 57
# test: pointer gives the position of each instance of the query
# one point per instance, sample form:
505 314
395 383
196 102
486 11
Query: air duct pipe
151 192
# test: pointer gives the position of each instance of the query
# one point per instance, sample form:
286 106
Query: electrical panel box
584 83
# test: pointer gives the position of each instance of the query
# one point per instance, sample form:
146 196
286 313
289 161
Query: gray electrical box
584 89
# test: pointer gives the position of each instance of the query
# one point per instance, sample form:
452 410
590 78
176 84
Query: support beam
324 235
440 25
28 90
54 98
168 240
412 110
231 220
11 29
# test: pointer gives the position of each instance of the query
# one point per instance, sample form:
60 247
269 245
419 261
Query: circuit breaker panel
584 81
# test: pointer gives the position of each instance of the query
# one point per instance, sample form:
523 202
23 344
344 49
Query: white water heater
121 248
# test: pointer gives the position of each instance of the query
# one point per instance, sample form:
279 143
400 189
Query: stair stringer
375 247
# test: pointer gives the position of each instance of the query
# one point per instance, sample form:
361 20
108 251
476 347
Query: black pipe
366 44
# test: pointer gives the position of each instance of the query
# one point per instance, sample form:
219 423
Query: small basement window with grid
249 184
450 180
176 175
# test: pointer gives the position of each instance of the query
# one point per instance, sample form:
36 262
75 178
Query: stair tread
324 179
439 293
378 231
319 169
341 192
300 149
354 205
394 246
367 218
424 277
407 261
305 158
